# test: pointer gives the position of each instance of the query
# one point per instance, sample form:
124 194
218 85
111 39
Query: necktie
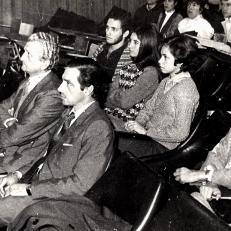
161 21
36 167
23 92
67 122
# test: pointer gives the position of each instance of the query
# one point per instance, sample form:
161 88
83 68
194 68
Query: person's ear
125 34
45 64
88 90
179 65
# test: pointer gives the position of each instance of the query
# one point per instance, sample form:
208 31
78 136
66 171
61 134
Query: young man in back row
114 54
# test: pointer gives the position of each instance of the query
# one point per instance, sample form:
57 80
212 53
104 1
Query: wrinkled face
226 8
32 61
167 61
169 5
114 33
193 10
70 87
134 45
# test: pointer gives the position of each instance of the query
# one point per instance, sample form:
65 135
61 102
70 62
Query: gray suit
73 165
25 141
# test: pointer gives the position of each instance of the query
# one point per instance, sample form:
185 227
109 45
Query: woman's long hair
148 53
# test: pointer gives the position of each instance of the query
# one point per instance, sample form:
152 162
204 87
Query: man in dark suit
29 116
78 157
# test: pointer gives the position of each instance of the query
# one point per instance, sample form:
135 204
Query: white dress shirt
197 24
227 28
168 14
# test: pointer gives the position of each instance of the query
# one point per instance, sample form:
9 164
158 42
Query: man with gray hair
29 116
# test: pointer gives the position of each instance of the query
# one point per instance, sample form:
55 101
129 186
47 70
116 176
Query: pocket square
67 145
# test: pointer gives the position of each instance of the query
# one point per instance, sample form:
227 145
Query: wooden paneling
39 12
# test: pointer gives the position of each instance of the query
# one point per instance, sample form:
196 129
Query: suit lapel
168 23
34 92
18 94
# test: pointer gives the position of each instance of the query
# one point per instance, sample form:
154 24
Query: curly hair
50 47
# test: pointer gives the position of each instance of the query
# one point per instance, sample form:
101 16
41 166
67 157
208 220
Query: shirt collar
169 12
179 77
80 111
35 79
228 19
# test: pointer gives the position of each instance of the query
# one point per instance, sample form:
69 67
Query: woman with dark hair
136 82
167 116
195 21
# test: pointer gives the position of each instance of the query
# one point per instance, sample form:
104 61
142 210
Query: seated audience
147 13
195 21
137 81
168 20
167 116
212 13
214 173
28 117
81 150
226 11
114 54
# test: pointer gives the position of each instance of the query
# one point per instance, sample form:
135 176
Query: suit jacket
26 140
79 158
170 27
220 159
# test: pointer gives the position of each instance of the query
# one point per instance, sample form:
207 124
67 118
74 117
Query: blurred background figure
148 13
168 20
194 22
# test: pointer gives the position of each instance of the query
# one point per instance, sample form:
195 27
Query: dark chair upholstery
194 150
184 153
184 213
213 80
130 190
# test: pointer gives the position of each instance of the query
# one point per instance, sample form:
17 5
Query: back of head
183 48
123 16
92 74
50 46
148 52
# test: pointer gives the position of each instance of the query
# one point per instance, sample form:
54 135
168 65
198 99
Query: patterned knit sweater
167 116
124 59
130 90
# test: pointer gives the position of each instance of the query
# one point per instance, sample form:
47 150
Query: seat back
130 190
187 154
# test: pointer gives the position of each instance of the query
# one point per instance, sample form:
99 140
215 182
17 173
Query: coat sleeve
144 88
47 108
5 105
220 158
96 149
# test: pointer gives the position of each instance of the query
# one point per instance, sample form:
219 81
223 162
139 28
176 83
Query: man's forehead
226 1
114 23
71 73
34 46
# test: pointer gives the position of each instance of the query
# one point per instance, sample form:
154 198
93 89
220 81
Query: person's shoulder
187 86
151 69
